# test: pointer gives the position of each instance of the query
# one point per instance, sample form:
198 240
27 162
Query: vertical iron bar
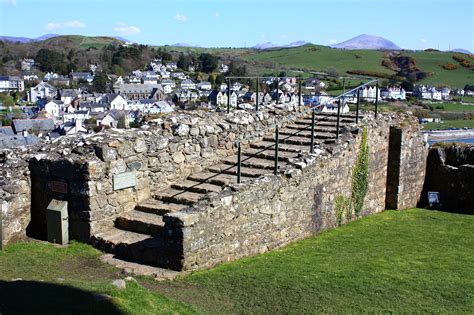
341 103
299 92
376 99
343 86
276 151
239 161
228 96
311 149
256 103
1 230
357 107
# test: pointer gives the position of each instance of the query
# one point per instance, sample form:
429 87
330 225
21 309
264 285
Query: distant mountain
45 37
14 39
266 45
182 45
123 39
296 44
462 51
26 39
269 45
365 41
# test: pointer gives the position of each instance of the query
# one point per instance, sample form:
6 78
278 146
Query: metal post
256 103
1 230
276 151
376 99
311 149
343 85
228 96
341 103
357 107
299 92
239 161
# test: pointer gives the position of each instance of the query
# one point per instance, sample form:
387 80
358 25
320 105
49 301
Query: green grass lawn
446 124
413 261
409 261
68 280
452 107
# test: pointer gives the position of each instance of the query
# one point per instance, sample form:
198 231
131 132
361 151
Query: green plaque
125 180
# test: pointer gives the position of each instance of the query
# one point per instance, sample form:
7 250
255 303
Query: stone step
159 207
282 147
303 141
198 187
130 245
178 196
345 115
215 178
254 162
244 171
318 127
270 154
141 222
285 133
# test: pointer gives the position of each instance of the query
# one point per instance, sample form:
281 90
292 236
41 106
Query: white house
436 95
332 108
116 101
9 84
169 82
188 85
52 108
42 90
369 94
445 93
167 89
393 93
204 85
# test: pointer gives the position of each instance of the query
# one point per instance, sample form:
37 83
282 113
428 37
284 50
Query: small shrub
450 66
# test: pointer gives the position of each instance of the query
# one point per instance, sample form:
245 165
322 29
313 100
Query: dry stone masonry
166 194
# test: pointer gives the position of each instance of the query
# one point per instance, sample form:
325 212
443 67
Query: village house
53 108
142 91
11 83
27 64
30 77
84 76
188 84
41 91
393 93
37 126
218 98
204 85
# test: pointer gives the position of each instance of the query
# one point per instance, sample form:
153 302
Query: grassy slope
83 42
432 62
452 107
65 281
408 261
321 58
446 124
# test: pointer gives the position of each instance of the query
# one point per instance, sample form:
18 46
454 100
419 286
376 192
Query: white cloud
10 2
180 17
333 41
126 30
217 15
68 24
423 40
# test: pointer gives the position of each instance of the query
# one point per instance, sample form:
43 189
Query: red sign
59 187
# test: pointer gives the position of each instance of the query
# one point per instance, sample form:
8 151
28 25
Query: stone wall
275 210
450 171
166 150
406 166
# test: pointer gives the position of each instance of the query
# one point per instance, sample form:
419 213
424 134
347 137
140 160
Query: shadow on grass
31 297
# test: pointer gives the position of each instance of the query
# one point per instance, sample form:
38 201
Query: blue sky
413 24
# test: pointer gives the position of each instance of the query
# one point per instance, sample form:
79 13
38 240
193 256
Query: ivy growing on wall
343 209
360 175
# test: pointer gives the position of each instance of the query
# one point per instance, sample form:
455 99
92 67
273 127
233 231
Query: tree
49 60
220 79
99 84
207 62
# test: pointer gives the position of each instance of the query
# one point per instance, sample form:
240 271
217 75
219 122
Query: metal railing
340 98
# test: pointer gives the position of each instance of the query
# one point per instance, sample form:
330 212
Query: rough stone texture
275 210
406 165
450 171
162 152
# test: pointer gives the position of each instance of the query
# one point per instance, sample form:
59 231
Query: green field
446 124
432 61
413 261
452 107
321 58
83 42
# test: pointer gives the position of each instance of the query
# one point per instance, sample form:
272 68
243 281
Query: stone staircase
137 235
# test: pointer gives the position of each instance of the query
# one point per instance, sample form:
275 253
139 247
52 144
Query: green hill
82 42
